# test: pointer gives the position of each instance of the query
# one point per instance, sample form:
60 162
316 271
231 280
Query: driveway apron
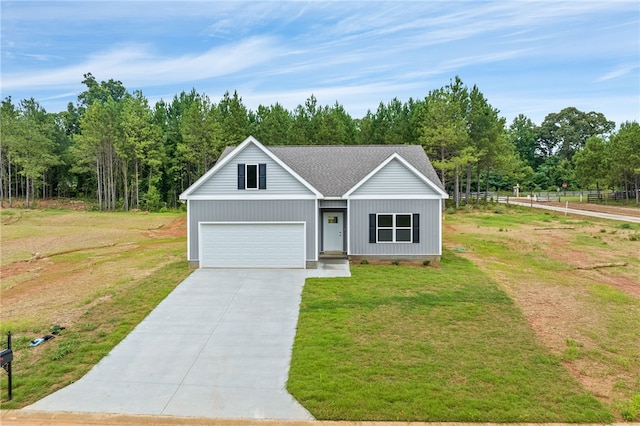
218 346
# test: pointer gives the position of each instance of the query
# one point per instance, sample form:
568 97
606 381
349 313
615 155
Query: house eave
254 197
250 140
396 197
440 193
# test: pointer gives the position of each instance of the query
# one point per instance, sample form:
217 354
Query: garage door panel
252 245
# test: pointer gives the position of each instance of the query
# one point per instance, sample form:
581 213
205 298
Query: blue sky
526 57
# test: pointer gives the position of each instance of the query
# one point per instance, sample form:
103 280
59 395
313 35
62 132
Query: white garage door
252 245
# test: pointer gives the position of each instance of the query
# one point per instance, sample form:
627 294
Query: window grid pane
403 221
403 235
385 221
252 176
385 235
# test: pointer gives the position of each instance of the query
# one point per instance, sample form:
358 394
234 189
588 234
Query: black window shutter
241 169
416 228
262 176
372 228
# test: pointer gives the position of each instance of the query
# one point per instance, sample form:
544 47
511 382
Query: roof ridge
343 146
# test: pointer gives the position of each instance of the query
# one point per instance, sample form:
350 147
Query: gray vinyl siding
394 179
430 227
333 204
252 211
225 180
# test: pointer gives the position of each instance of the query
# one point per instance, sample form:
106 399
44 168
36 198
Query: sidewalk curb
37 418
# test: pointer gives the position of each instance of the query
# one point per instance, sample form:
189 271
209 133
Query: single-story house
287 206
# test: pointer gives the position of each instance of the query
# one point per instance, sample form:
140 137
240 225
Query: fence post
6 361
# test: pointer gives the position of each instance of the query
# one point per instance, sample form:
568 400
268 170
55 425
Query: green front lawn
427 344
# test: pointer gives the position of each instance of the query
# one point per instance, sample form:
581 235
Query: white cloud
618 72
356 99
138 66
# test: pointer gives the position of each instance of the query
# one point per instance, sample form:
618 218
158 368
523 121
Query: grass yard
97 274
427 344
530 317
577 282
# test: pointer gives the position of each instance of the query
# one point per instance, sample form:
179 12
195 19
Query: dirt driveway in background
632 213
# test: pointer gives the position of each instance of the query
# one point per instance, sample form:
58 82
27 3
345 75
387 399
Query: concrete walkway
601 215
219 346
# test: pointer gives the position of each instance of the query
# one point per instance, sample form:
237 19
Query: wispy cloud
358 53
139 66
619 72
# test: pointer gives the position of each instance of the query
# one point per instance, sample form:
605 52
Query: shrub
630 411
395 262
364 262
499 209
152 199
426 262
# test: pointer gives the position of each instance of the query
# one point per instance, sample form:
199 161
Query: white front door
332 228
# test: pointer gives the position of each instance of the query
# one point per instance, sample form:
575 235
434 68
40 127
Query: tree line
114 148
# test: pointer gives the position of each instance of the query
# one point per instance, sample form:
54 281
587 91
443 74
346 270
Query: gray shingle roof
335 169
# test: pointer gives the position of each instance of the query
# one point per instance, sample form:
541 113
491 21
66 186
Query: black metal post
9 366
6 358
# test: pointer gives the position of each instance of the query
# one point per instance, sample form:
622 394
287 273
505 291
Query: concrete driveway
218 346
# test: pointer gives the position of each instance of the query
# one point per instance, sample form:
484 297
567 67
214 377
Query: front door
332 231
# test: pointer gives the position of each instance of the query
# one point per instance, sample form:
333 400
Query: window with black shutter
394 228
252 176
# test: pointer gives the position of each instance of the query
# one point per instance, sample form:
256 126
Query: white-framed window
252 176
394 228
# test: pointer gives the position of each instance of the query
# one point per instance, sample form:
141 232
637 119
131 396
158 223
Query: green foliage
113 147
567 131
523 135
152 199
592 162
630 410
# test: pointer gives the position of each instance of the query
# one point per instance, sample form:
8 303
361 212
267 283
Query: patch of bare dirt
175 229
624 284
50 203
59 285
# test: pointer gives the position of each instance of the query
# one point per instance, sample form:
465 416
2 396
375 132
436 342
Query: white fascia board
189 236
316 246
252 197
284 166
219 164
396 156
348 227
440 225
233 154
397 197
